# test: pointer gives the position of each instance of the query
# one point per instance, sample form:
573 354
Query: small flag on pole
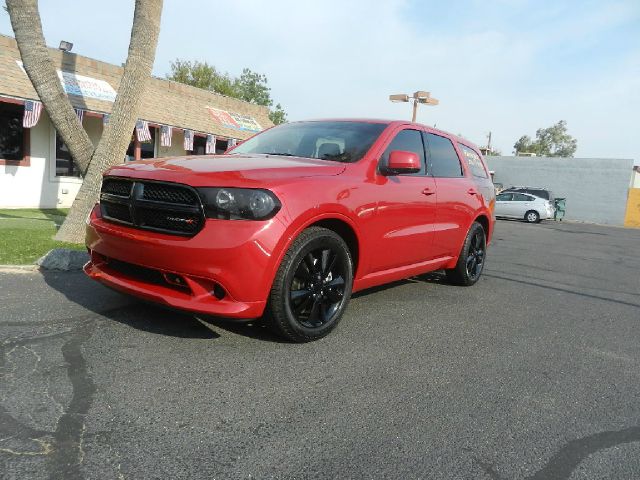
79 114
32 110
188 140
210 147
165 135
232 142
142 131
105 119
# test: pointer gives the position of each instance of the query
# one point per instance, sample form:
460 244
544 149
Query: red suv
289 223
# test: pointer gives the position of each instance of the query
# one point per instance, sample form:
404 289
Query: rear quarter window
474 161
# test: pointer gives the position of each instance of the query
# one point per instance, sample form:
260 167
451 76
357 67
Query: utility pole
416 98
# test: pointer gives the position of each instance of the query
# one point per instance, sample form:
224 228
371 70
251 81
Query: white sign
81 86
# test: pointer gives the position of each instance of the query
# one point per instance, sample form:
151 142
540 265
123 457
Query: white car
524 206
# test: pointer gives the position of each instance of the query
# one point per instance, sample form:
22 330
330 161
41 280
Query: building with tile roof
35 167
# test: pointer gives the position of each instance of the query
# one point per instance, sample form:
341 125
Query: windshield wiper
281 154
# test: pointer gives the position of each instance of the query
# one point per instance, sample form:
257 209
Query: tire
532 216
471 259
312 287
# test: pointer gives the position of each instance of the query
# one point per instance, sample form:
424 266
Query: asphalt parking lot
534 373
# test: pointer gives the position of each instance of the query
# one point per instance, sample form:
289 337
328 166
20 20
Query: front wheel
312 286
472 257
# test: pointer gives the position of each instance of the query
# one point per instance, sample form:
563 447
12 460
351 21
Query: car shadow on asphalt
146 316
160 320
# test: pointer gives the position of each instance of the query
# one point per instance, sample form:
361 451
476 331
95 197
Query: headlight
239 203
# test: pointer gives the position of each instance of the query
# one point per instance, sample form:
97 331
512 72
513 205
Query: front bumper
226 269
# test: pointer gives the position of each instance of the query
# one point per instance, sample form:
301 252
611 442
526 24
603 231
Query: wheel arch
486 224
346 231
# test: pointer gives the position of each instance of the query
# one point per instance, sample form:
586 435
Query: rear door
406 209
521 204
458 196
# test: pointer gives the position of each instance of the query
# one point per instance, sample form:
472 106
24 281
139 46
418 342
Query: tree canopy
250 86
553 141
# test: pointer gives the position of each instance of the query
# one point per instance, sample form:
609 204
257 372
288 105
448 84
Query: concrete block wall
596 189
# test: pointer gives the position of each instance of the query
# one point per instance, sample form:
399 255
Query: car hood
227 170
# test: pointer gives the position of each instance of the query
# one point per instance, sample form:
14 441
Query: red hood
227 170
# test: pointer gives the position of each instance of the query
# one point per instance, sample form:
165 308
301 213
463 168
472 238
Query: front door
406 209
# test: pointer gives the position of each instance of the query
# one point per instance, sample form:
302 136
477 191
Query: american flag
188 140
142 131
105 119
32 110
79 114
210 146
165 135
232 142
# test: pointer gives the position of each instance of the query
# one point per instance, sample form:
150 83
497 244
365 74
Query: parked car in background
536 191
523 206
291 222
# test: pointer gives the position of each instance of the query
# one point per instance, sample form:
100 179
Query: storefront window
147 149
11 132
200 144
64 163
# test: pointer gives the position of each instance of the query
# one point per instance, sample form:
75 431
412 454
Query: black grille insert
164 207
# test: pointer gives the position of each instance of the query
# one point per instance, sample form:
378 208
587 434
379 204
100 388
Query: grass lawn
27 234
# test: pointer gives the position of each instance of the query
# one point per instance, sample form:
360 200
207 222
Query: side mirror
401 161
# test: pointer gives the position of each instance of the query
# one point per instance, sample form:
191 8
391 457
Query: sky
505 66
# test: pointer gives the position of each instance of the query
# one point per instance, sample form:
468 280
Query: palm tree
27 28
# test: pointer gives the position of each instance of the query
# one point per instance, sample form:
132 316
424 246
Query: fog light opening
175 280
218 292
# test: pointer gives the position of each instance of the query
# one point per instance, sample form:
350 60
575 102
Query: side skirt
398 273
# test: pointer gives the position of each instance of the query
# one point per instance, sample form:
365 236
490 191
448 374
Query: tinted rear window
443 157
474 161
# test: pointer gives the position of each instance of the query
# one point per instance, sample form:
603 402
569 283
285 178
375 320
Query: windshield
336 141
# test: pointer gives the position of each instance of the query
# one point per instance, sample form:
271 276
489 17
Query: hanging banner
234 120
82 86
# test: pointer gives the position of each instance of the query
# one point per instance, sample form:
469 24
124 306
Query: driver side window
409 141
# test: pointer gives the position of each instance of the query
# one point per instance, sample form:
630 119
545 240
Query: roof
164 102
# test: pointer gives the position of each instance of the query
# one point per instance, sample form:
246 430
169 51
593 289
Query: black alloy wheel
475 255
472 258
317 287
312 287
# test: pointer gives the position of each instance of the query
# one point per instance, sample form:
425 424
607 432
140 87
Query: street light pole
416 98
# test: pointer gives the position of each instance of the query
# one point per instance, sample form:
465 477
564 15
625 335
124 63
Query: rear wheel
312 287
472 257
532 216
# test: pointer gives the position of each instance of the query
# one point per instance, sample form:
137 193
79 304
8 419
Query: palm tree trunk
116 136
117 133
25 20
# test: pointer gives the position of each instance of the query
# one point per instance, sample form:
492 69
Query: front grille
161 192
164 207
122 188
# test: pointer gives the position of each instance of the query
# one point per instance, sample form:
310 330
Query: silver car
524 206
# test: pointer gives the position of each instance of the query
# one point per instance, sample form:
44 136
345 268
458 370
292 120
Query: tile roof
164 101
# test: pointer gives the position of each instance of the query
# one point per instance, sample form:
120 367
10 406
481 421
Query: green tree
202 75
553 141
250 86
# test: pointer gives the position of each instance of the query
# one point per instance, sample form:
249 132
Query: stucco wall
36 185
595 188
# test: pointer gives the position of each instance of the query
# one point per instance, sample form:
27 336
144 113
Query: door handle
428 191
472 191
